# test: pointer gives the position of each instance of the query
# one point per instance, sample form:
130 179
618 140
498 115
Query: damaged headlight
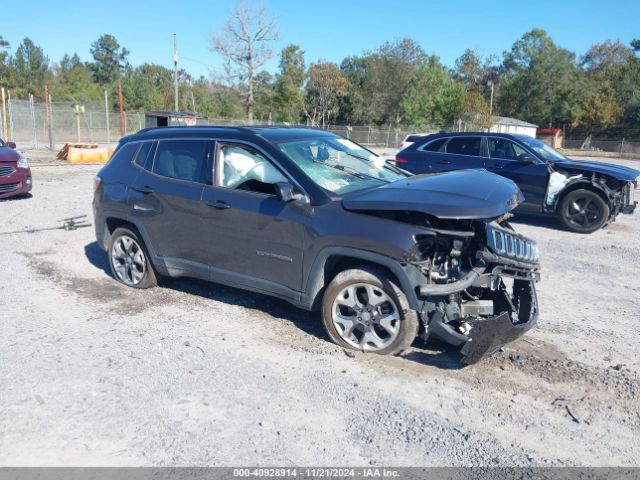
509 244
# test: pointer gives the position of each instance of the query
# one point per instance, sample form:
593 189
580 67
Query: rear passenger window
142 157
182 159
435 146
125 153
464 146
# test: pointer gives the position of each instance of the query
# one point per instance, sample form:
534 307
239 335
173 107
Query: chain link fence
31 126
613 146
385 136
27 124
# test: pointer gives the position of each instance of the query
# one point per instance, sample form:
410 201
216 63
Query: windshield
339 165
542 149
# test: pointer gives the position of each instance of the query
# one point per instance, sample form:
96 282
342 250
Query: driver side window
504 149
242 168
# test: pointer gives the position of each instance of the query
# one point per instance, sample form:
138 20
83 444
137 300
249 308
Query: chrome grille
509 244
5 171
9 187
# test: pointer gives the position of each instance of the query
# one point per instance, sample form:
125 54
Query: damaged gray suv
317 220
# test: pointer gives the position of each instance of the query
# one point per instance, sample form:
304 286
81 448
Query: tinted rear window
142 157
436 145
125 153
464 146
413 138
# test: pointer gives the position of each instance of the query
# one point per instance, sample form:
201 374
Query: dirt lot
95 373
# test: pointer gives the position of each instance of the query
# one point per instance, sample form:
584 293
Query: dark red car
15 174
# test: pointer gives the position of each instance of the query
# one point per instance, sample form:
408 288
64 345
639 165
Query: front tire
362 309
129 261
583 211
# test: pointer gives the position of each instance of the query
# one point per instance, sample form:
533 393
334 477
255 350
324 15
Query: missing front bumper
488 335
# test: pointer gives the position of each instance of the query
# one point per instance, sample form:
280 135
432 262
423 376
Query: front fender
316 280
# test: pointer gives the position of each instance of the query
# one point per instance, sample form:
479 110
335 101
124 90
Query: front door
255 237
531 178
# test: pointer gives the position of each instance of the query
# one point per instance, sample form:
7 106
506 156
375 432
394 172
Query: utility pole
5 131
10 114
32 111
78 109
47 100
175 70
491 103
121 107
106 112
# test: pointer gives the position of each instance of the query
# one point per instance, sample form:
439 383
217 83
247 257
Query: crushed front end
476 284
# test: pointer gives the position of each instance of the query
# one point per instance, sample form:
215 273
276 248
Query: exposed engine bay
618 193
476 281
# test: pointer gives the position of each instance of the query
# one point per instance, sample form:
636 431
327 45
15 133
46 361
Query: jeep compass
318 220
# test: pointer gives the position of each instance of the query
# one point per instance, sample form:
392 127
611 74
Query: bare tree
245 44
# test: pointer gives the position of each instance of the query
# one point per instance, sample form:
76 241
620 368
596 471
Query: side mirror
287 193
11 145
526 158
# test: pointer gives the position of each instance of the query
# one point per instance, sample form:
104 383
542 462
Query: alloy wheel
583 212
128 259
365 317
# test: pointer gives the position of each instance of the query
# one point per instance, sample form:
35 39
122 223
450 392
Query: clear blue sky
327 29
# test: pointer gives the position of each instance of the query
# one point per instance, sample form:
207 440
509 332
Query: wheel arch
114 221
333 260
581 185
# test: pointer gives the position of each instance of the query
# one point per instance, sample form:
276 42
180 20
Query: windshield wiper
366 160
350 171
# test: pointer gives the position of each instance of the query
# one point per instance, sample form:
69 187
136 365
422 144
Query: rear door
460 152
531 178
420 159
166 200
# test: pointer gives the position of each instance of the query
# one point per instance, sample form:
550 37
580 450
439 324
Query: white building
512 125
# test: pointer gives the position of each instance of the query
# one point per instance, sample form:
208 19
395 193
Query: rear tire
583 211
129 260
362 309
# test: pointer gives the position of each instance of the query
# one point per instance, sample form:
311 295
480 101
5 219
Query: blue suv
585 195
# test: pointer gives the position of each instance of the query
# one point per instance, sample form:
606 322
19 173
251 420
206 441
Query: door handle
498 166
444 161
219 204
144 189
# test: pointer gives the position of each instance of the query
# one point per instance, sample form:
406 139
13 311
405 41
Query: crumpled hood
616 171
462 194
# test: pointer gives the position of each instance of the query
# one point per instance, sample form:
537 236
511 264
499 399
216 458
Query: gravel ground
95 373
